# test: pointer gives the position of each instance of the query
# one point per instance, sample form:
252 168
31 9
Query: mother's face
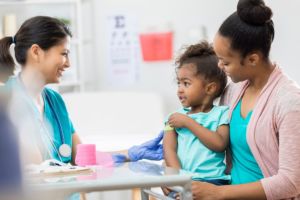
229 60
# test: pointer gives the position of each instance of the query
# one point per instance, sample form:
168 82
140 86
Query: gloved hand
151 150
119 158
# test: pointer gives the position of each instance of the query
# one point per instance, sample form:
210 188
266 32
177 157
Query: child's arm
214 140
170 149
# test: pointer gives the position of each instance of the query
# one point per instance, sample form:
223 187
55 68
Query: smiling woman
41 48
264 111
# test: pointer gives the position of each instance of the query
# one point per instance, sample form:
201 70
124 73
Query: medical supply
52 162
52 167
64 149
86 154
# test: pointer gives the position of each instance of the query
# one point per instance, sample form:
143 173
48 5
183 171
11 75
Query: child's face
191 87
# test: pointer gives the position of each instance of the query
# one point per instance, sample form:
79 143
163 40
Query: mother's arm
286 183
207 191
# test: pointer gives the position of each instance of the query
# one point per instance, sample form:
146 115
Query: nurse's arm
75 141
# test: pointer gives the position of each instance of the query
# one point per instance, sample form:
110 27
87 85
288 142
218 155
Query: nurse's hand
151 150
205 191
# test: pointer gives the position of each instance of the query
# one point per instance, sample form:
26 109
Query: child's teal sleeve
224 118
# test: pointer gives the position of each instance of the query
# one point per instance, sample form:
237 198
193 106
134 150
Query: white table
142 174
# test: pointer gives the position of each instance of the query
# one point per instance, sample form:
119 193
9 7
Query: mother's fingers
204 191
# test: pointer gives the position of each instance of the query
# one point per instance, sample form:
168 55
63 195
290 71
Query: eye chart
123 50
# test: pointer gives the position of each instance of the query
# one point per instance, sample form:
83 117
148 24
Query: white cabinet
68 10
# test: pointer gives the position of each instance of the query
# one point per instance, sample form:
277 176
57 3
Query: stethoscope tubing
61 133
41 121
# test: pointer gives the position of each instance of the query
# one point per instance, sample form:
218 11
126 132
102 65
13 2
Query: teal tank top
244 166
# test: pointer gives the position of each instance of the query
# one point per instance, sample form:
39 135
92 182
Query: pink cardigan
273 133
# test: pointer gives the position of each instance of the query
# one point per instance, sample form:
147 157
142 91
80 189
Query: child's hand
178 120
166 190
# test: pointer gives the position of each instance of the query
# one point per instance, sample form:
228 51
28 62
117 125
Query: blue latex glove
151 150
119 158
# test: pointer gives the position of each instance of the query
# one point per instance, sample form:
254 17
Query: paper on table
37 170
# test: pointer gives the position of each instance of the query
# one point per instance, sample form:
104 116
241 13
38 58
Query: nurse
42 46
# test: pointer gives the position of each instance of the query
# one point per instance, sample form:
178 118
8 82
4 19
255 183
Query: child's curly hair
205 60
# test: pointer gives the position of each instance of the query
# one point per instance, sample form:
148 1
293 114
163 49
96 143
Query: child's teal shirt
244 166
193 155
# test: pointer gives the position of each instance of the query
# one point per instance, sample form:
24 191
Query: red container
157 46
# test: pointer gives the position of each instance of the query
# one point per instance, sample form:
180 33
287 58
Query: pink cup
86 155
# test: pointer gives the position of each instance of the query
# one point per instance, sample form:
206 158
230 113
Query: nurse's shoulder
54 97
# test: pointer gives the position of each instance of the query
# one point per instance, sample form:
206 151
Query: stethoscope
64 149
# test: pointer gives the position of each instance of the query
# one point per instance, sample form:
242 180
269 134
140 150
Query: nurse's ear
35 53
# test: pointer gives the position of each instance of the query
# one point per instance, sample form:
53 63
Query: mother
265 111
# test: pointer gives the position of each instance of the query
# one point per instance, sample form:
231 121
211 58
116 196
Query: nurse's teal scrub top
244 166
57 107
62 126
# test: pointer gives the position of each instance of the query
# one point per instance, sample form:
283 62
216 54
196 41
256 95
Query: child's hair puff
203 57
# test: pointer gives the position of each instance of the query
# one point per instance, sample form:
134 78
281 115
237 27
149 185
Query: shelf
69 9
68 84
28 2
65 84
77 41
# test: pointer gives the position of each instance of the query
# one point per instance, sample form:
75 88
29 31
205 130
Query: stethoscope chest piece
65 150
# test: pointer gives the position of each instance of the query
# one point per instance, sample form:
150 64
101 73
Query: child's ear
211 88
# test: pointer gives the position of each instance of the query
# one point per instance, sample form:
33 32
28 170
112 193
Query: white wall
184 16
286 46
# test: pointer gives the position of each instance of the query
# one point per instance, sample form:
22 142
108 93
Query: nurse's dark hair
41 30
250 28
203 57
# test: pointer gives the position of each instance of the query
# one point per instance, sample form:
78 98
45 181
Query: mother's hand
205 191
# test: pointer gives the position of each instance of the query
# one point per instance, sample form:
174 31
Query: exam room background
184 17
